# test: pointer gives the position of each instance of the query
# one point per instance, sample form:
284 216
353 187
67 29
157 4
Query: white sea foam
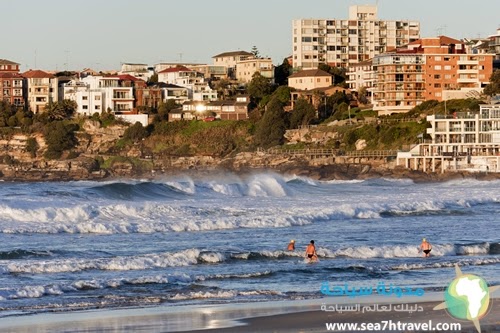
178 259
267 185
465 262
394 251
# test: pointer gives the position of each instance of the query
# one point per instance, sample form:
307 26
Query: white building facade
467 141
89 101
117 97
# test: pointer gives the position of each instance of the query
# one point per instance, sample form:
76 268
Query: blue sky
102 34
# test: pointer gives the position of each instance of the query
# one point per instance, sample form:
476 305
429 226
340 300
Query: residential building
164 65
88 101
7 66
428 69
310 79
245 69
341 42
40 88
230 59
223 110
118 91
139 71
210 72
198 88
177 93
468 141
11 83
362 75
494 48
149 97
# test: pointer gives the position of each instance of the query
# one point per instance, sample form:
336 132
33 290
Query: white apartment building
245 69
198 89
361 75
118 95
468 141
342 43
89 101
41 88
495 45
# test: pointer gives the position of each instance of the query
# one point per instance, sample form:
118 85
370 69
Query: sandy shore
284 316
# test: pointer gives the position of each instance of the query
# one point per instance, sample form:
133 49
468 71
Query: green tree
153 78
59 137
363 95
31 146
282 72
61 110
339 73
258 87
255 52
302 114
135 132
283 94
493 87
272 126
164 109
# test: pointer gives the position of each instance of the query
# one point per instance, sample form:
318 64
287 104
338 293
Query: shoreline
322 173
273 316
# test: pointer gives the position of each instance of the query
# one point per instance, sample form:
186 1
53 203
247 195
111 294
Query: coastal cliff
95 158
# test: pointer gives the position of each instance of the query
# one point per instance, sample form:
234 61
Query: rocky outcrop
97 143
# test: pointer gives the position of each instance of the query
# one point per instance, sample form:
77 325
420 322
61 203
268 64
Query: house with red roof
40 89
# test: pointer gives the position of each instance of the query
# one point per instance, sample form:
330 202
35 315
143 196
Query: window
85 98
437 85
437 76
85 107
437 58
437 67
447 76
97 98
447 68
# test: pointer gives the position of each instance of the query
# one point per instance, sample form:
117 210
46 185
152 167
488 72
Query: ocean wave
221 294
21 254
38 291
176 259
446 264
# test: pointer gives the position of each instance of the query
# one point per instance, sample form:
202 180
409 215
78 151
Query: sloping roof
128 77
176 69
37 74
232 54
445 40
10 76
7 62
310 73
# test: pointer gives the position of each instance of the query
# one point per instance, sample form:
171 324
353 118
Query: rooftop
37 74
310 73
7 62
232 54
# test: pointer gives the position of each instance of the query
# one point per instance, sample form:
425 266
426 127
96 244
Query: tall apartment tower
341 43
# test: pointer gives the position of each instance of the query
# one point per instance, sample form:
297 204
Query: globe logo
467 297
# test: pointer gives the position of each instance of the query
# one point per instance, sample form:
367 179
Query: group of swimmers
311 254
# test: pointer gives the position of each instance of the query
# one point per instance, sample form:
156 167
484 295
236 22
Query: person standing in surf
311 252
291 246
426 248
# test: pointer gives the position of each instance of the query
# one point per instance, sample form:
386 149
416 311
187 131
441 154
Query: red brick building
11 83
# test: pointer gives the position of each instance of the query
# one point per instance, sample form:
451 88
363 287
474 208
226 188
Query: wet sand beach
284 316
